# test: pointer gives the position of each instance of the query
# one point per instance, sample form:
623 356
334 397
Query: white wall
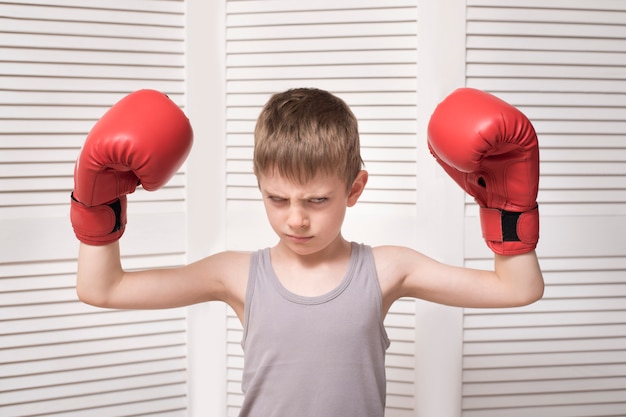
560 62
58 75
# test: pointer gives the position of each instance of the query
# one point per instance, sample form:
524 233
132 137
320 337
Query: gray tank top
314 356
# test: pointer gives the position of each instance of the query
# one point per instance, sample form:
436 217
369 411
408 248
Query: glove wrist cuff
98 225
510 233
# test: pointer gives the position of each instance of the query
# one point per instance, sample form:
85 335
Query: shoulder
230 267
390 266
224 269
227 274
399 266
225 263
392 259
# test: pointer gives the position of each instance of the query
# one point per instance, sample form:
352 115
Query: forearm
99 272
522 276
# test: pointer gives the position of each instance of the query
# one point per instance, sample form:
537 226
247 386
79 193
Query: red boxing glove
490 149
143 139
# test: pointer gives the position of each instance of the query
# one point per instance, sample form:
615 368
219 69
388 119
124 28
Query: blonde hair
306 131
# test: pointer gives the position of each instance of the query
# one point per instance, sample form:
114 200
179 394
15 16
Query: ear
357 187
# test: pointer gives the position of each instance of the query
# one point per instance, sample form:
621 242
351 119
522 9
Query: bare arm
515 281
490 149
521 276
99 273
101 281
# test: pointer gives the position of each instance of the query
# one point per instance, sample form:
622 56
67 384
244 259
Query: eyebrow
269 193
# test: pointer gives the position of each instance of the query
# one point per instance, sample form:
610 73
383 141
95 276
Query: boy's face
308 217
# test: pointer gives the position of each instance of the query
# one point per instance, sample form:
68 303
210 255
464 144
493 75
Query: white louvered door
563 64
62 64
365 53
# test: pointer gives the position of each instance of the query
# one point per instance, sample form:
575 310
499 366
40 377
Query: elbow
89 296
533 294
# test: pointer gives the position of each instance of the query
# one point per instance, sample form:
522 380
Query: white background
63 63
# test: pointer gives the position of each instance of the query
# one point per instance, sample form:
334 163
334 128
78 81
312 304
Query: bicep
454 286
210 279
409 273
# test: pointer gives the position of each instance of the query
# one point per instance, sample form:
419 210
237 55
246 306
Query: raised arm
490 149
515 280
102 282
143 139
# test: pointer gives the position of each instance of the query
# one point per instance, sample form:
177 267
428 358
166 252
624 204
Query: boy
313 305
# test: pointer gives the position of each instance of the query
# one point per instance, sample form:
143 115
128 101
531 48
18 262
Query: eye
318 200
275 199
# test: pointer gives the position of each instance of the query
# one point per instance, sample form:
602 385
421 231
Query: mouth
299 239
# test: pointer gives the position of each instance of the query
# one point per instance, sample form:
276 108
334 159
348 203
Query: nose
297 218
